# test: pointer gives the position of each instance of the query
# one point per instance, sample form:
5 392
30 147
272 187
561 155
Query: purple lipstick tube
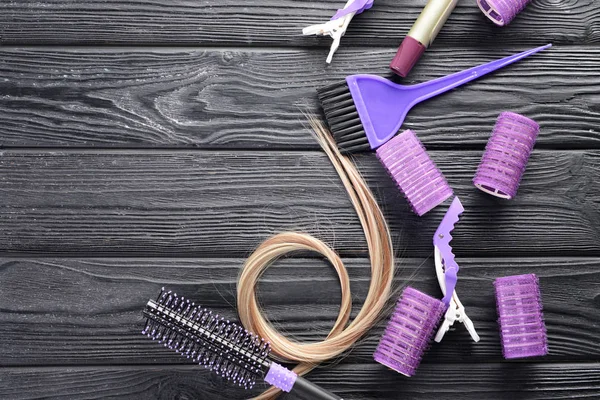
506 155
415 173
520 317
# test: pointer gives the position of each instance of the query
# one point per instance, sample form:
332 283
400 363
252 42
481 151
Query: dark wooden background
150 143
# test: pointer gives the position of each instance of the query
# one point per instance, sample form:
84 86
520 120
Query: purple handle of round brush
502 12
415 173
281 377
357 7
409 331
506 155
520 317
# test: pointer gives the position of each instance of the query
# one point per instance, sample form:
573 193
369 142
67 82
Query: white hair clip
336 27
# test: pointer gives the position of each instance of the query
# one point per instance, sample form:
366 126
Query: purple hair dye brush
520 317
409 331
365 111
221 346
446 269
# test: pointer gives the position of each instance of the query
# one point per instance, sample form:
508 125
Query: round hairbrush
506 155
416 175
520 317
409 331
501 12
222 346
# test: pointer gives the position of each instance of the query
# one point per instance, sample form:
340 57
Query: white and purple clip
336 27
446 269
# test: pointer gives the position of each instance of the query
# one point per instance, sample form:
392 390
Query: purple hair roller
522 328
506 155
501 12
409 331
417 177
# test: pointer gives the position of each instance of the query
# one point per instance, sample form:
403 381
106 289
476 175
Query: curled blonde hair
343 335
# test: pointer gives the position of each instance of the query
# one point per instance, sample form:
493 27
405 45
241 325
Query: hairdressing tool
421 35
365 111
336 27
409 331
416 175
520 317
446 269
221 346
506 155
501 12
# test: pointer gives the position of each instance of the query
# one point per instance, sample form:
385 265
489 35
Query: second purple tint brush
365 111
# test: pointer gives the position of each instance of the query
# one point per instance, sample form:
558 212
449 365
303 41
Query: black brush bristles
196 333
342 118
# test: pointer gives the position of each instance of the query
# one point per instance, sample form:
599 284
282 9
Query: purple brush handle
383 105
409 331
415 174
502 12
520 317
506 155
357 7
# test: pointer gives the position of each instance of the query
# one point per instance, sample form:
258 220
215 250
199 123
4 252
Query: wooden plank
205 202
255 99
277 23
65 312
364 382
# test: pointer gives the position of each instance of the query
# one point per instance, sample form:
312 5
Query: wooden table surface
150 143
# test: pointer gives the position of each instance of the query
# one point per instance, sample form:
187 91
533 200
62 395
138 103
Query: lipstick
421 35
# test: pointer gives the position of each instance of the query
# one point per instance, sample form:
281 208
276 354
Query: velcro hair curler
415 173
520 317
501 12
506 155
409 331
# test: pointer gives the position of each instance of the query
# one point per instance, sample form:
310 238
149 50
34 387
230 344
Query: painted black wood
531 381
207 203
237 98
65 312
278 23
173 130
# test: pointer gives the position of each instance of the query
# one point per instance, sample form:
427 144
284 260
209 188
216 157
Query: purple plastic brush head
356 7
441 240
415 174
506 155
409 331
501 12
522 328
196 333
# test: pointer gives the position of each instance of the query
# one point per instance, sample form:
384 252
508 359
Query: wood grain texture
205 203
520 381
277 23
256 98
65 312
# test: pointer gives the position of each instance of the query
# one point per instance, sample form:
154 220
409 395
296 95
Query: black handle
306 390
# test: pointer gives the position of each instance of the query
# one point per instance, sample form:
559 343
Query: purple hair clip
336 27
520 317
447 270
409 331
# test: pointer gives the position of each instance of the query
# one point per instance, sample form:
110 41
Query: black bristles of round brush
196 333
342 117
